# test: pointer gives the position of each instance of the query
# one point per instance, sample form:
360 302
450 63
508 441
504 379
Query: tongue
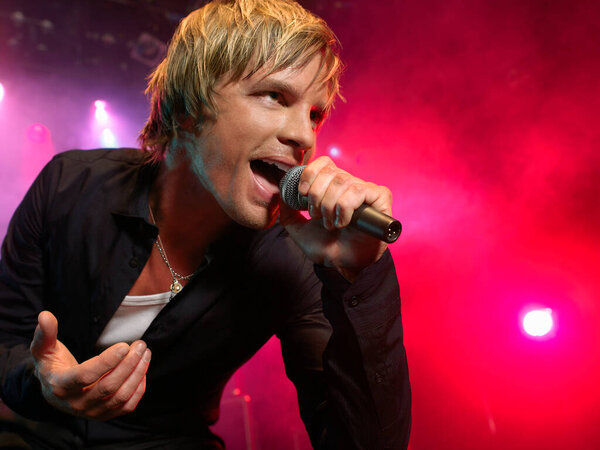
266 182
267 175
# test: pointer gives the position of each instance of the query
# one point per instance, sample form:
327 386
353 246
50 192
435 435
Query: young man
147 278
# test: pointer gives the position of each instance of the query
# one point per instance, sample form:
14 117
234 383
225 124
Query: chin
258 218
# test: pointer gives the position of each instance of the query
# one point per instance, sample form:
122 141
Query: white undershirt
132 318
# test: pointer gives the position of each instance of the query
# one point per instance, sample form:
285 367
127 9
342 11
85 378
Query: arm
364 386
21 300
361 396
39 377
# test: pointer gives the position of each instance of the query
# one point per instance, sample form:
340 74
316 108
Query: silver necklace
176 286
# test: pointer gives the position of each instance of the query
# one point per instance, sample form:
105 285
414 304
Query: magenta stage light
100 112
538 322
1 92
38 133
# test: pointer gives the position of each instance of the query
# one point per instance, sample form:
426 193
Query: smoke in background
482 119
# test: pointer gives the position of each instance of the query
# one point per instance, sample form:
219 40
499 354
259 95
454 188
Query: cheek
205 161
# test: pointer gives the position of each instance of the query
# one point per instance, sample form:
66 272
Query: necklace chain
176 285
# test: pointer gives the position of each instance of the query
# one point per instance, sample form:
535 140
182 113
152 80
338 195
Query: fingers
134 385
44 338
289 217
128 392
334 194
93 369
119 389
124 378
103 387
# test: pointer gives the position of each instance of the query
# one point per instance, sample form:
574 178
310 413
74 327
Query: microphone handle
372 222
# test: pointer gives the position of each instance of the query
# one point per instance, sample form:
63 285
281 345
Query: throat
187 215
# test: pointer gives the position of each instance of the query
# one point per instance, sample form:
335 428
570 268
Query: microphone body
366 218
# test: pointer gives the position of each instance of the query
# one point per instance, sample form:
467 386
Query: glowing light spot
236 391
1 92
38 133
108 138
100 113
334 152
538 322
247 398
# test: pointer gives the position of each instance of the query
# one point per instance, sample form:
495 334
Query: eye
274 96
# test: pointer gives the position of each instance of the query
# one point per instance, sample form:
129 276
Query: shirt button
354 300
133 262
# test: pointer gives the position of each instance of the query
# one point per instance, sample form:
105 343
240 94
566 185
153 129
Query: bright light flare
100 113
334 152
538 322
108 138
1 92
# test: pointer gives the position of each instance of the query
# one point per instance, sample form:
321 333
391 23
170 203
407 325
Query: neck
188 216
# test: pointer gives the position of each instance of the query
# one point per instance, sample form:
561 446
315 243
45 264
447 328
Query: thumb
44 338
291 219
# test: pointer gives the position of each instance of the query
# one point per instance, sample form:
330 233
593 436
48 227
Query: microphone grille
289 189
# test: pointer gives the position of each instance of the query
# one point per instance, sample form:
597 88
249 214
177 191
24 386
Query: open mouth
267 170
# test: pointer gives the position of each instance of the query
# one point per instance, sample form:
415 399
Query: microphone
366 218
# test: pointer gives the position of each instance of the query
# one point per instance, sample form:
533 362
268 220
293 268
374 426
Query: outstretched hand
333 196
103 387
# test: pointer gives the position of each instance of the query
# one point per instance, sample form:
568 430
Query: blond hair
230 38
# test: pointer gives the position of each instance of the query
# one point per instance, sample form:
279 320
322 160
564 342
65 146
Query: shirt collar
135 190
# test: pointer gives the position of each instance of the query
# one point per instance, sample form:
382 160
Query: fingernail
147 355
139 348
311 209
122 351
326 223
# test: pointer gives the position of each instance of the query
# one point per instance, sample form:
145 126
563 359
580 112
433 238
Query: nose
299 132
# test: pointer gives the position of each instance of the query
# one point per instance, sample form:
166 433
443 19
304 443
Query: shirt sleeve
359 398
21 300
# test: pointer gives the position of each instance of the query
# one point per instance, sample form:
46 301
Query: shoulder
115 179
79 168
96 157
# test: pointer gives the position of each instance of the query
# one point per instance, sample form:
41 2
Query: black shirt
78 242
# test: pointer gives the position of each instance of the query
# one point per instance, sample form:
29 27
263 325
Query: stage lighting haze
1 92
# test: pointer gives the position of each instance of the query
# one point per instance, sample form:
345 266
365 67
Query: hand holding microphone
366 218
345 213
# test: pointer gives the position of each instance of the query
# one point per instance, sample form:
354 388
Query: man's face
264 125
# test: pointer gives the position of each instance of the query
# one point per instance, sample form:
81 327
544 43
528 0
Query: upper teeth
279 165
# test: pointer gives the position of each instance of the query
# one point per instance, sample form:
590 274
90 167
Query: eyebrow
278 85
